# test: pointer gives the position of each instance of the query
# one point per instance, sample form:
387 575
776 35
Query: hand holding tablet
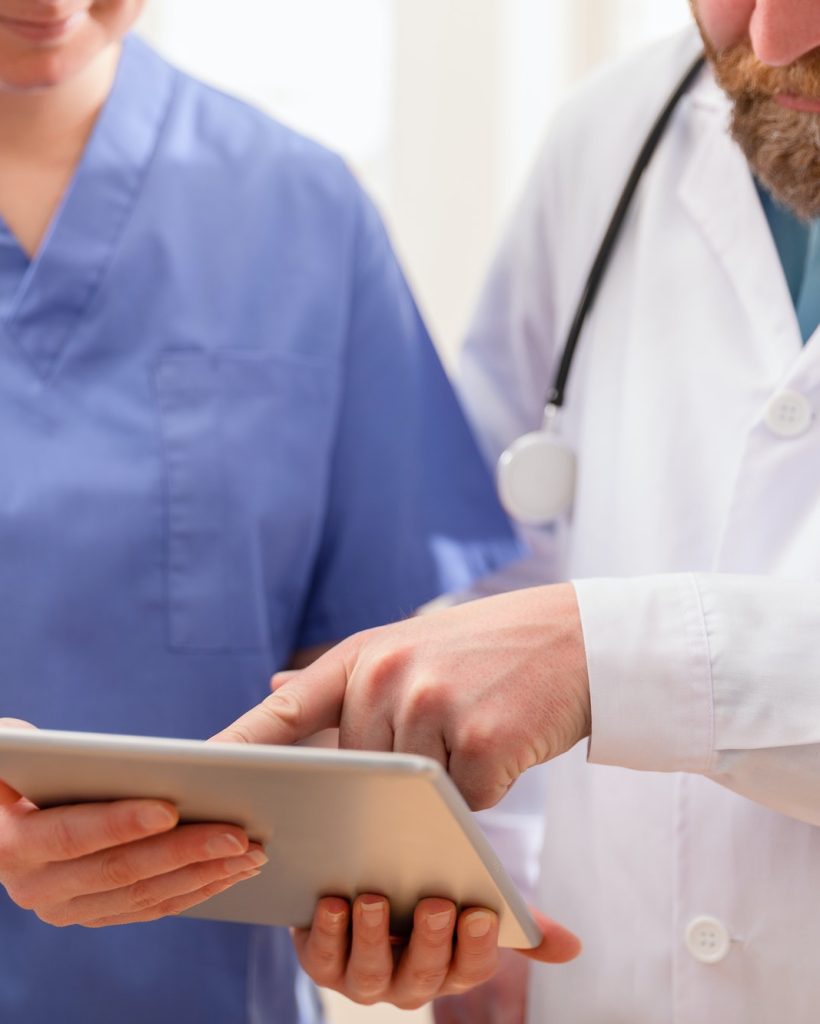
352 847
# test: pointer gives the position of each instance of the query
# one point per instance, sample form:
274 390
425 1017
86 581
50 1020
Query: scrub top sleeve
411 509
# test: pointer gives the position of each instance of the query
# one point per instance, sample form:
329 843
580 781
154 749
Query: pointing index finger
306 703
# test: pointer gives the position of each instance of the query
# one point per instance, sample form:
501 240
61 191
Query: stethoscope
537 473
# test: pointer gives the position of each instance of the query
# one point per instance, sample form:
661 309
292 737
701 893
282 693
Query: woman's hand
350 950
115 863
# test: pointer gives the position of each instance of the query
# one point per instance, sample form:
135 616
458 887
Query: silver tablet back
332 822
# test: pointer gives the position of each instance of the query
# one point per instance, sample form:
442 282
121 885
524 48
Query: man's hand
117 863
488 689
351 951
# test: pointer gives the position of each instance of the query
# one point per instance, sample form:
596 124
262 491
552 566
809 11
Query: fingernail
438 922
255 858
373 913
245 876
153 817
225 845
337 917
478 925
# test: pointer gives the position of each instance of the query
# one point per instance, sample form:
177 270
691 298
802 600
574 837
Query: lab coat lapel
64 279
718 192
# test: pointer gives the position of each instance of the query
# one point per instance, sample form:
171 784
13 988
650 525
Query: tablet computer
332 822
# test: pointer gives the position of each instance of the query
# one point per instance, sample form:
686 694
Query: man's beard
781 145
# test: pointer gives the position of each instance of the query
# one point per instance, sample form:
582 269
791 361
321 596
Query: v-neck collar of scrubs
14 264
60 283
798 245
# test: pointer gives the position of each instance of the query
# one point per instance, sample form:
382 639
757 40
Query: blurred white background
439 105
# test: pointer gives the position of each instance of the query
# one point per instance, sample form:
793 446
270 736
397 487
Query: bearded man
683 839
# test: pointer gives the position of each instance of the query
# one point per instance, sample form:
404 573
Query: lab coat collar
718 192
64 278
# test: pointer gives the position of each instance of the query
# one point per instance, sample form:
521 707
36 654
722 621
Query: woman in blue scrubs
225 440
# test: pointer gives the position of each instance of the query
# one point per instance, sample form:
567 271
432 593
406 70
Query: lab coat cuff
649 672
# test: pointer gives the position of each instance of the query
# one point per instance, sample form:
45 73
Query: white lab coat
696 538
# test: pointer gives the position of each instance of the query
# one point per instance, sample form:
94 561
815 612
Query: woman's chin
44 70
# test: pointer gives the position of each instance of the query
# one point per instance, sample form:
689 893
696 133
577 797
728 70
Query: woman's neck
42 138
52 125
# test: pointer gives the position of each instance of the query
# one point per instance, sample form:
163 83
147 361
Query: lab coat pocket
246 438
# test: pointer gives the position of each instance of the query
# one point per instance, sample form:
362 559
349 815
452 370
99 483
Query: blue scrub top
224 436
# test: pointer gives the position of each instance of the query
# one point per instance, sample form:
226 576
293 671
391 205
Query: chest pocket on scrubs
246 439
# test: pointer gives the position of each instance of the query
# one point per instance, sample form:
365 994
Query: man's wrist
577 670
566 669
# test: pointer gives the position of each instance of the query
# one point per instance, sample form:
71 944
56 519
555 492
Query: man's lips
801 103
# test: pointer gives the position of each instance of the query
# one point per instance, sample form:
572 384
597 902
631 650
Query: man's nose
782 31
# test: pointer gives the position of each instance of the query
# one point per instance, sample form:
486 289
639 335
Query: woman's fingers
72 865
68 833
123 866
370 966
175 906
323 948
147 894
426 962
476 953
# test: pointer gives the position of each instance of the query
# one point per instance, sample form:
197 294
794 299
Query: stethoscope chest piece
536 478
536 474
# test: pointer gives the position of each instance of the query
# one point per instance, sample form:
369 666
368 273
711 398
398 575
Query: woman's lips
42 31
801 103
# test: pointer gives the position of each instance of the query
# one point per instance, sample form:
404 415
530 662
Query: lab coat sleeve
711 674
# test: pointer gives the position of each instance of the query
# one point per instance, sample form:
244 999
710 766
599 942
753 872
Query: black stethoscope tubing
603 258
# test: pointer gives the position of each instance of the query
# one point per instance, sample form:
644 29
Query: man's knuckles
427 701
382 667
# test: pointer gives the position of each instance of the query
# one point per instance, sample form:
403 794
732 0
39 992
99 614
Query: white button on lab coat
708 940
684 846
789 414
